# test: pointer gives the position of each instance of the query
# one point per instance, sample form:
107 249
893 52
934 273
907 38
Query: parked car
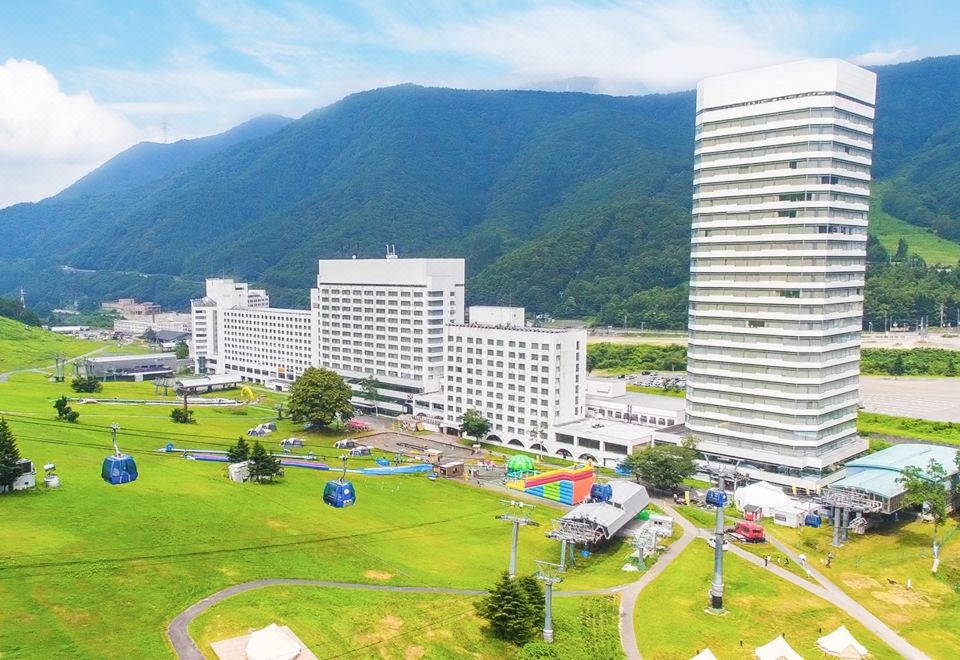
712 542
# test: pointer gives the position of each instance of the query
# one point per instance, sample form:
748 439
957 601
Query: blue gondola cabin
120 469
339 494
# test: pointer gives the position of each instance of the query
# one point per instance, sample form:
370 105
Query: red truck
747 532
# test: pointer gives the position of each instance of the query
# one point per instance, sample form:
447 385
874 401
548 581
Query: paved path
629 593
5 376
178 632
838 597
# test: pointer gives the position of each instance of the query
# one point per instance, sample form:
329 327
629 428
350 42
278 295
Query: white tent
705 654
778 649
841 644
272 643
763 495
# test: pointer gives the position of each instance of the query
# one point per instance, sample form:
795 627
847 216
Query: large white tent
841 644
778 649
272 643
705 654
763 495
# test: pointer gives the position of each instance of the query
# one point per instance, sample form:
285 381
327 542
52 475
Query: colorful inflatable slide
566 485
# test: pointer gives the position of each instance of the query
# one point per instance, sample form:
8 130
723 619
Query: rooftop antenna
163 128
521 517
391 251
23 298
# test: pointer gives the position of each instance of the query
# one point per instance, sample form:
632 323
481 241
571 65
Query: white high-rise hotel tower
781 190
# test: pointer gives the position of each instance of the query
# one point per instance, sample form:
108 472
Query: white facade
137 326
505 316
781 189
609 399
236 331
385 318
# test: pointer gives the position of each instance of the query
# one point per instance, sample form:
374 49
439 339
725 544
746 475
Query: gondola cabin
119 469
339 494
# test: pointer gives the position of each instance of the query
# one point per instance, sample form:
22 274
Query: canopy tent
272 643
778 649
705 654
520 465
841 644
762 495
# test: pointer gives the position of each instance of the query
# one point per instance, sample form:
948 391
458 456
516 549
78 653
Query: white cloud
49 138
880 57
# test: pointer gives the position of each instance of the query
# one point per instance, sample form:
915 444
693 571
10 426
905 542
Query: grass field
25 347
921 241
908 427
656 390
97 571
874 569
672 625
338 623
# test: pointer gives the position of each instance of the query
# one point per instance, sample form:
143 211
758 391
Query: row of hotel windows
612 447
786 115
631 417
803 180
791 149
803 262
833 130
774 387
499 363
780 165
777 372
784 230
772 218
773 199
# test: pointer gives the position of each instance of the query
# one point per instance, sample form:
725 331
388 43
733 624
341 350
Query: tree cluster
925 489
239 451
636 357
182 416
12 309
87 384
181 350
663 466
64 411
319 397
9 455
513 608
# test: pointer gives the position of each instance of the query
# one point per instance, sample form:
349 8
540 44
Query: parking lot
924 398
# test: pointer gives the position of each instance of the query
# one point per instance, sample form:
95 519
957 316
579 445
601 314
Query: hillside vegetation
572 204
25 347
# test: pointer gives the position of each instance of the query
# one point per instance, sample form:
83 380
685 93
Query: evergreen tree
533 588
897 368
181 350
262 464
902 250
508 610
238 452
89 384
64 411
9 455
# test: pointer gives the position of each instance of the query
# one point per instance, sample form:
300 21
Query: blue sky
81 80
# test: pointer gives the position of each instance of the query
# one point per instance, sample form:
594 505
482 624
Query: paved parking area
925 398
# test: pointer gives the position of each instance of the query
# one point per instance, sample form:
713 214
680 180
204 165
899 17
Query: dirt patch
861 583
377 575
386 628
438 633
413 653
901 598
228 572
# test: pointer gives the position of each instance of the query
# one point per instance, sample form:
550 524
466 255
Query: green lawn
874 569
25 347
672 624
923 242
334 622
908 427
93 570
656 390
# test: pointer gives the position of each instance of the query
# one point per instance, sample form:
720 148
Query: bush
87 384
182 416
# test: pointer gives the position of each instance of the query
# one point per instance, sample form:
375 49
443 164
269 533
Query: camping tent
705 654
763 495
272 643
778 649
841 644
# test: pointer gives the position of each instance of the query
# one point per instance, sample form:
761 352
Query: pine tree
9 455
533 589
239 452
262 464
508 610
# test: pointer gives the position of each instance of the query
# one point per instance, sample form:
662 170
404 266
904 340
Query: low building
68 329
601 441
26 476
133 367
609 398
135 327
130 307
876 476
207 383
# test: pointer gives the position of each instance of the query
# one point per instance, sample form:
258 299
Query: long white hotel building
781 190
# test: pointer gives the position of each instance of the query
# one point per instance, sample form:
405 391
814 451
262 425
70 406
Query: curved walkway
5 376
827 591
178 632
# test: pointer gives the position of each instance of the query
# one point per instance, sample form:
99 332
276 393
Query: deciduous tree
319 396
664 466
926 489
475 424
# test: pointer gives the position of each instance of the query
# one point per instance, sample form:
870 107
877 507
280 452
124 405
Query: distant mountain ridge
146 162
566 203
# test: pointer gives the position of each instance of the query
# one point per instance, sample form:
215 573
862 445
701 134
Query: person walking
829 559
766 560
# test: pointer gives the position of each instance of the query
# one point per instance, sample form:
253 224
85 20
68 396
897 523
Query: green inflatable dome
520 465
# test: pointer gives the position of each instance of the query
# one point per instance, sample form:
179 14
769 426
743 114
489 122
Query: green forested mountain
567 203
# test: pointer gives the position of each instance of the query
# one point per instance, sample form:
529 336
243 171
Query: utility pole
518 519
718 498
548 573
941 314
